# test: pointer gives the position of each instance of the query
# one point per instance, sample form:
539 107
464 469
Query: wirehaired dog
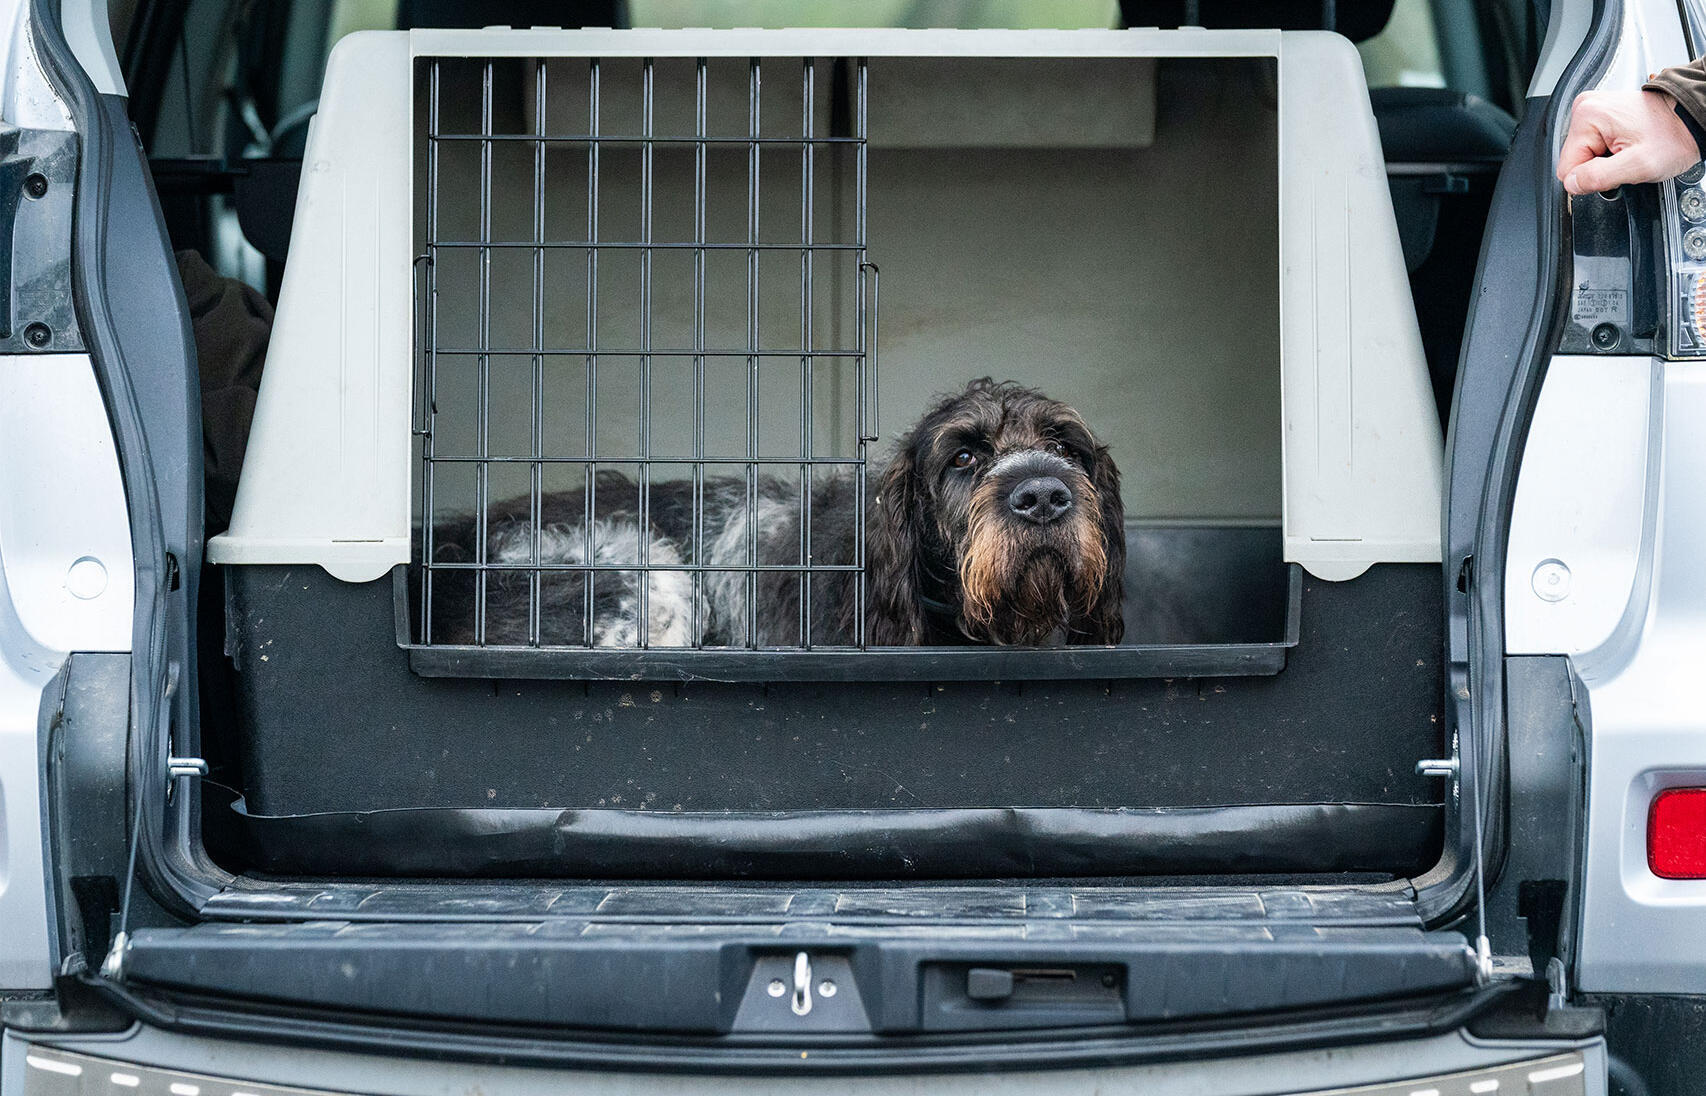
997 520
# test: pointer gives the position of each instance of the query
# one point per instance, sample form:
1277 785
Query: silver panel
65 585
1576 527
1641 933
1501 1070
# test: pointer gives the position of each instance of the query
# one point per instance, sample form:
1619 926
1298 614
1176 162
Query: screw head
35 185
38 335
1605 336
776 988
1551 580
826 988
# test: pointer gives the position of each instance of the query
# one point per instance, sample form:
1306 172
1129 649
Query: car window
1014 14
1405 54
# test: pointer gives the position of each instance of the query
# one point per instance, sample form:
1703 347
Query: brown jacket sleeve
1687 85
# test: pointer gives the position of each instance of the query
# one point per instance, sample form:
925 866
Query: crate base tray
1202 600
872 664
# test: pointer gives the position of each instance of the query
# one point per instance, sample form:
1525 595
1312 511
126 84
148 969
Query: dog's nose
1041 499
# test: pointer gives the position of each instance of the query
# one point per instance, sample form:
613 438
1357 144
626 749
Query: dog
997 521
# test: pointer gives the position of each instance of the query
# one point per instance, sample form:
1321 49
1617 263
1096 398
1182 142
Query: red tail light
1676 834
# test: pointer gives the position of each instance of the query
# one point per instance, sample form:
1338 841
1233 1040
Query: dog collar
940 608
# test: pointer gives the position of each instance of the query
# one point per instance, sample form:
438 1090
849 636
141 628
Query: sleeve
1686 84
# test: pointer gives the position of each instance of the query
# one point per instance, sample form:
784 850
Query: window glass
1405 54
1018 14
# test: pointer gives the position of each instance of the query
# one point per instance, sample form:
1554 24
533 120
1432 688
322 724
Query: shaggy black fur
951 555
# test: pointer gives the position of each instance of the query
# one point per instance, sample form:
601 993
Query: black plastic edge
981 1052
136 327
584 976
874 664
1498 381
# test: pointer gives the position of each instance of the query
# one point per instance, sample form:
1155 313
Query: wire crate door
646 356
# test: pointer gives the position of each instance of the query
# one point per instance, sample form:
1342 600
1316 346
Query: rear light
1676 834
1684 203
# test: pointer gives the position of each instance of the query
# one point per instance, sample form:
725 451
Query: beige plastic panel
1130 270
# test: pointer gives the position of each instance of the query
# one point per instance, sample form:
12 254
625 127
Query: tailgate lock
819 990
801 1002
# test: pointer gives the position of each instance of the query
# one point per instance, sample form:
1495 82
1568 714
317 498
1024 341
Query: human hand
1618 137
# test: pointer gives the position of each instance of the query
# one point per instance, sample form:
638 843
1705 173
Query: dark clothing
1687 85
231 322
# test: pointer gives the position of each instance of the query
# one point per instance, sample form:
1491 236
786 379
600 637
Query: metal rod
807 291
699 200
686 462
642 245
635 352
428 516
536 472
647 85
860 367
592 343
617 139
707 568
754 123
483 379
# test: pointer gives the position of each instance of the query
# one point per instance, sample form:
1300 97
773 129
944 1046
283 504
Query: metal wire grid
490 189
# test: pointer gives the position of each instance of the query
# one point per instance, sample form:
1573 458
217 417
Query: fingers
1608 172
1580 147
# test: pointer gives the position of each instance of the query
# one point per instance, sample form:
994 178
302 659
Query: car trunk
1219 816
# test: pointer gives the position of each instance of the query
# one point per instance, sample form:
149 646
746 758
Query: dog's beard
1021 585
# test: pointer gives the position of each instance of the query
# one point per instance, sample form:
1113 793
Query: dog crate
642 269
659 278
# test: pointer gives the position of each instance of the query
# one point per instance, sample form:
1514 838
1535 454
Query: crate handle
423 333
876 383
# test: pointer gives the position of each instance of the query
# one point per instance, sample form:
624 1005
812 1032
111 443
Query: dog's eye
1057 449
965 458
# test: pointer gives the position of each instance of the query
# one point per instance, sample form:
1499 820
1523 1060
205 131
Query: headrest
1419 125
1355 19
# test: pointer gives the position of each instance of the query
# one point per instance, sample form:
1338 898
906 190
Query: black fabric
1438 125
1695 128
333 722
231 323
989 842
1357 20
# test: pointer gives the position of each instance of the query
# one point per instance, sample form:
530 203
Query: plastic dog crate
525 259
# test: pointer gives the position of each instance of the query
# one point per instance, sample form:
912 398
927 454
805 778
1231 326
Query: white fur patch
725 591
668 594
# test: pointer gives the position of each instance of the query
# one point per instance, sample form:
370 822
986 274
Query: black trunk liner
1308 770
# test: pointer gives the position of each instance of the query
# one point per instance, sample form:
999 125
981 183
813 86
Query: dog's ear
894 617
1105 622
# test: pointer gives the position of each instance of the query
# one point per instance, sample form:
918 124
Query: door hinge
1438 766
185 766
